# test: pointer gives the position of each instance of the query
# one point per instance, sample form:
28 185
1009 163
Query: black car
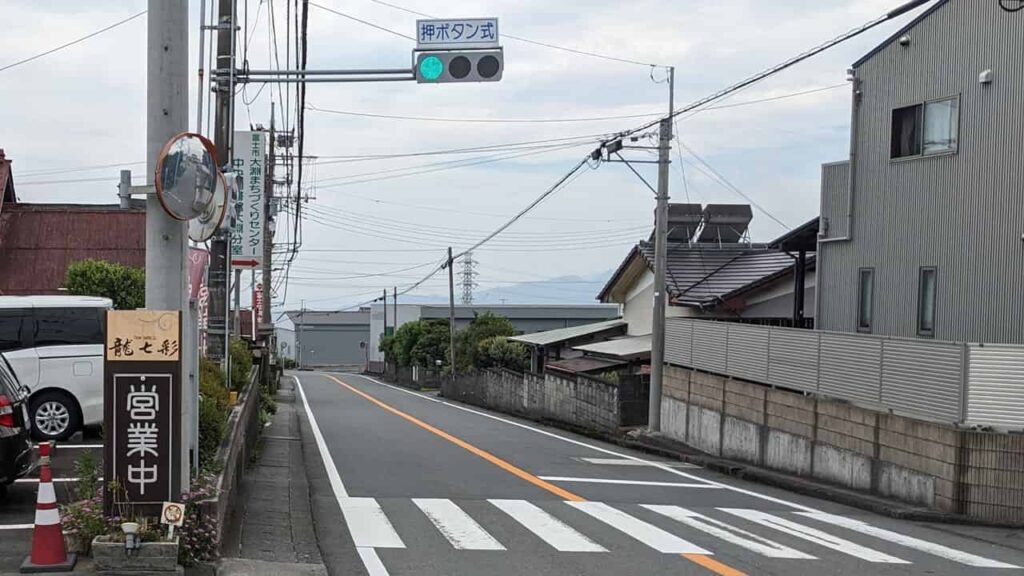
17 457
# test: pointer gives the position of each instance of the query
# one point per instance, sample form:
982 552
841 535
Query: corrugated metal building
923 236
39 241
331 339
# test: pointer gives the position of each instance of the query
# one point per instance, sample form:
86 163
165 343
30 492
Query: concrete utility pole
451 310
395 308
384 299
167 238
268 237
220 260
661 261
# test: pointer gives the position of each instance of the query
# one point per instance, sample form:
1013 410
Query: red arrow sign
245 263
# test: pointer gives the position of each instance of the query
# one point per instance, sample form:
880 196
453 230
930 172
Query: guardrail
949 382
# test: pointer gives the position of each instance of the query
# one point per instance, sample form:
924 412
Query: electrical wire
370 24
481 120
72 43
521 39
55 171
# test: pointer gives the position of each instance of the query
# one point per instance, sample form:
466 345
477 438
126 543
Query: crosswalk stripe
908 541
813 535
648 534
548 528
458 527
368 525
729 533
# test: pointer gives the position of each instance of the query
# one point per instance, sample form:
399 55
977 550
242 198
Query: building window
865 299
926 302
925 129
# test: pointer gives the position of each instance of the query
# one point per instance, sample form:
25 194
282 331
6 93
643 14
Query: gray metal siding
851 368
332 345
923 377
835 195
793 359
996 393
748 352
962 213
678 342
710 342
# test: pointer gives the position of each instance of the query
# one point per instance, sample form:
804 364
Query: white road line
908 541
813 535
729 533
627 482
369 557
736 489
75 446
624 462
457 527
548 528
368 524
372 563
17 526
648 534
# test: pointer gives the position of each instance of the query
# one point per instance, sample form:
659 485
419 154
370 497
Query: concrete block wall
979 474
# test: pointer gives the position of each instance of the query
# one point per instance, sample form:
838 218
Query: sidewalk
272 530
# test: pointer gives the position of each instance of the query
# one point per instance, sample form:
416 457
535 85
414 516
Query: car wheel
54 416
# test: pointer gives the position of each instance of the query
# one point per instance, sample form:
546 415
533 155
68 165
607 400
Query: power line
55 171
73 42
370 24
521 39
482 120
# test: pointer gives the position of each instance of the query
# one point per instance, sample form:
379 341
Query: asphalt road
18 510
409 484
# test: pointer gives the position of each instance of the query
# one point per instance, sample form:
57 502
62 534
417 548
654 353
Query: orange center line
703 560
504 465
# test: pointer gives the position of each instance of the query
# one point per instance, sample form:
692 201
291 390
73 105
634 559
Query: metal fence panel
748 352
851 367
710 340
995 394
678 341
793 359
923 378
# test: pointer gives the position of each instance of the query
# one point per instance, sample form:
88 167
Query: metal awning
584 364
560 335
629 348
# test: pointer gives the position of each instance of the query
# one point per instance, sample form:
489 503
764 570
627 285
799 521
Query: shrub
198 535
500 352
213 411
241 364
87 470
125 285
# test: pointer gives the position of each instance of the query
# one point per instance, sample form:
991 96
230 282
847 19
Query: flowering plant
198 535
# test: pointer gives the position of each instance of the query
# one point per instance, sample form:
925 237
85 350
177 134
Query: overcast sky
85 106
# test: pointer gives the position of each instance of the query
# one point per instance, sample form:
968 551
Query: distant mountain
561 290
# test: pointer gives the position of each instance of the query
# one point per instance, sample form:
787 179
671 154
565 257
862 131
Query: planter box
152 558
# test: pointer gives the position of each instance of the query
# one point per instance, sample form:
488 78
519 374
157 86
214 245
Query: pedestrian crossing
805 535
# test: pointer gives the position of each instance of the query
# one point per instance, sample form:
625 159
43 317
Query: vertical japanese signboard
142 409
247 236
257 303
198 263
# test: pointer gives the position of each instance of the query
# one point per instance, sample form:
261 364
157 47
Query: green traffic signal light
431 68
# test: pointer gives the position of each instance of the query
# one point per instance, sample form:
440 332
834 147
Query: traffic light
435 67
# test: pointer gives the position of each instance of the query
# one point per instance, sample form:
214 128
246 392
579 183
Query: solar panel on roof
725 223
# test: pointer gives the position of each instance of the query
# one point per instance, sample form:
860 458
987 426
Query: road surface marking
628 482
624 462
368 524
909 541
17 526
506 466
60 447
648 534
813 535
729 533
700 559
736 489
457 527
371 561
548 528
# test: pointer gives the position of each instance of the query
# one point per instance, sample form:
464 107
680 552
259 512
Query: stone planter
151 558
74 543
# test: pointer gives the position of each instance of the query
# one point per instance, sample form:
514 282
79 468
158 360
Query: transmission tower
468 278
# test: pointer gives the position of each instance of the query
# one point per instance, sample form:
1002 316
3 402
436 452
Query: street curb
667 448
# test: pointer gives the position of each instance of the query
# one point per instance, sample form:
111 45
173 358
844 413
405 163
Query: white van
54 344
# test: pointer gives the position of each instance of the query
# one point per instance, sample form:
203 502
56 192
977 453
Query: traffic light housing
436 67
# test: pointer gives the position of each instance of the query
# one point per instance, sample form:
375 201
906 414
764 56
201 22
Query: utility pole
661 261
451 311
395 308
220 260
385 301
167 238
268 237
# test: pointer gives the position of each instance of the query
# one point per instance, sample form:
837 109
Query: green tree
500 352
483 327
125 285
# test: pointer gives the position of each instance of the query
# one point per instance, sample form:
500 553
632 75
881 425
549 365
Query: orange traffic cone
48 552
